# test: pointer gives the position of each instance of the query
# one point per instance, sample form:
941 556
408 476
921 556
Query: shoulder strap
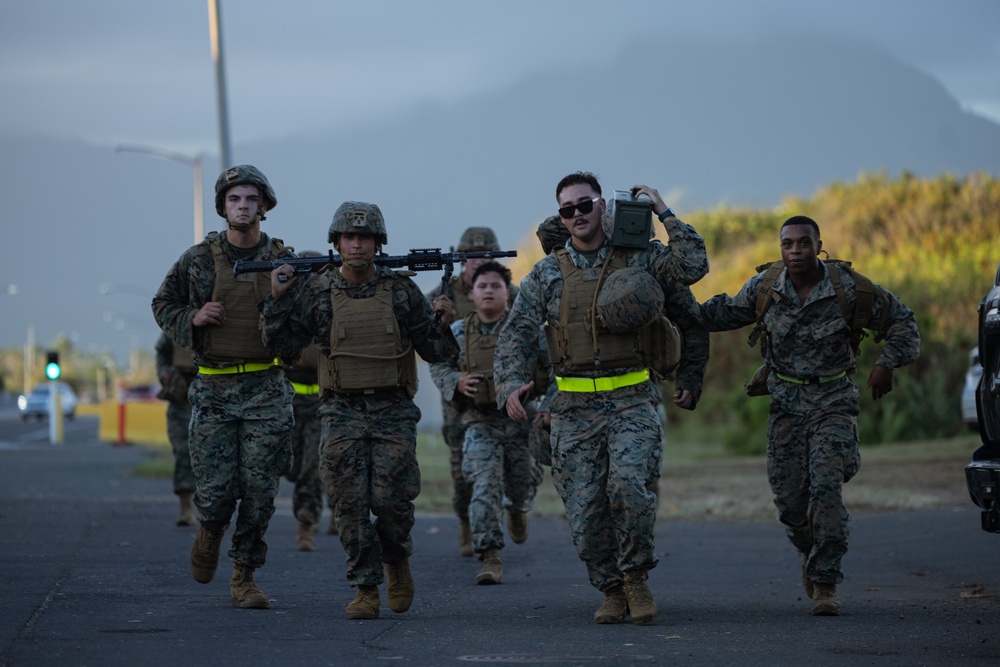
765 297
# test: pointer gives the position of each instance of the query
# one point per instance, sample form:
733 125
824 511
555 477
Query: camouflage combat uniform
239 421
368 448
605 444
452 426
497 461
181 375
813 431
307 498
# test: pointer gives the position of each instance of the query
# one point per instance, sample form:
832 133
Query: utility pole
215 34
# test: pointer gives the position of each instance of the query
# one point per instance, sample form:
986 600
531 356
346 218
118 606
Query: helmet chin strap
243 227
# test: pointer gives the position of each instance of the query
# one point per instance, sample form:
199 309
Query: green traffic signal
52 369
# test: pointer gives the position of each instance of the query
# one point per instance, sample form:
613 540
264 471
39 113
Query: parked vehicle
983 474
972 376
36 404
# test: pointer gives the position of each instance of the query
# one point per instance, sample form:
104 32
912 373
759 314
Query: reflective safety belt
812 380
238 368
604 383
305 389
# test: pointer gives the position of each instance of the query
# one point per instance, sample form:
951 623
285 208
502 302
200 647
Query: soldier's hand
280 287
468 383
212 313
543 418
514 407
659 206
683 398
444 311
880 381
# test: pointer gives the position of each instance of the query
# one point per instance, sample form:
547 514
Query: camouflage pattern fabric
238 436
307 497
178 418
452 428
813 435
188 286
496 461
239 449
629 300
604 444
368 451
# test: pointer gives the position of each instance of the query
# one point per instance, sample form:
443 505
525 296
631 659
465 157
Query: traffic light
52 369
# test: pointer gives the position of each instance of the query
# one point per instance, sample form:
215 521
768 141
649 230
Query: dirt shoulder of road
892 477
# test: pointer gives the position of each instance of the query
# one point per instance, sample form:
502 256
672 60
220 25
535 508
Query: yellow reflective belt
238 368
812 380
602 384
305 389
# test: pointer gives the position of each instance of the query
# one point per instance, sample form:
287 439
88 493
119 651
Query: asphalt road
94 572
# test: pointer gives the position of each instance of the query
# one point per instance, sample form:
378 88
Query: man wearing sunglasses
606 434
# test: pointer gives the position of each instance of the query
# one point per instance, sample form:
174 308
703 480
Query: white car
36 404
972 376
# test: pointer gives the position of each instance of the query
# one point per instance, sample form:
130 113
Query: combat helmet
244 174
629 300
478 239
552 233
358 217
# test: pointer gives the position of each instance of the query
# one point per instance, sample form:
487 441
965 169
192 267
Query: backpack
857 318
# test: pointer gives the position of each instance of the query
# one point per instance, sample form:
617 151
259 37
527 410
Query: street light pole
191 161
215 36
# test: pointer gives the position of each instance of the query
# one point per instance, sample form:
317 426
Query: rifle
419 259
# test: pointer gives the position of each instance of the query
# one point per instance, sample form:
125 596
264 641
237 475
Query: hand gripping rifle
419 259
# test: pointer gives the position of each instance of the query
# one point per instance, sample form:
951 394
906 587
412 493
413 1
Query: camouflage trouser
604 445
808 460
497 462
453 431
368 463
307 498
239 449
178 423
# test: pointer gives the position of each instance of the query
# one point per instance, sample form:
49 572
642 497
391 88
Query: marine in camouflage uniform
813 431
496 457
176 370
473 239
307 497
368 447
606 438
241 401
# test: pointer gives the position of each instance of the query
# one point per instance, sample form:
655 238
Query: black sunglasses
585 207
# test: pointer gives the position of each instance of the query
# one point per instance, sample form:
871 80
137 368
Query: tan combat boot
465 538
186 517
517 526
825 602
640 600
365 604
492 572
304 540
205 554
399 585
246 595
807 583
614 607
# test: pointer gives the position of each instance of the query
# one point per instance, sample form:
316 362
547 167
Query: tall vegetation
935 243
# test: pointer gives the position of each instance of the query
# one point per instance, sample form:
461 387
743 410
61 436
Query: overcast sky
140 71
110 71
